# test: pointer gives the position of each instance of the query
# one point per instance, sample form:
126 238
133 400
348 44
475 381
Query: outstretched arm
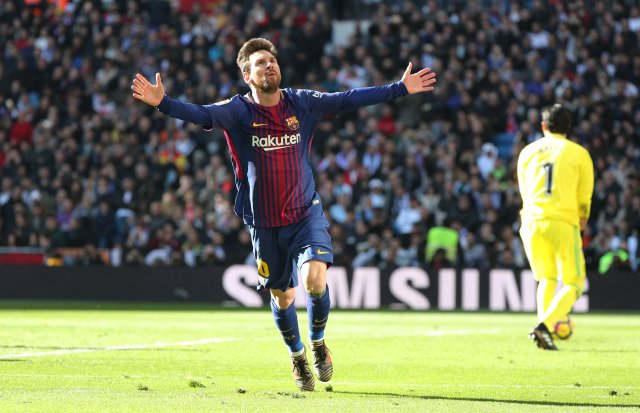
322 104
154 95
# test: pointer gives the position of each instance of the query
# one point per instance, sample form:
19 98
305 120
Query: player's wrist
160 101
403 87
163 106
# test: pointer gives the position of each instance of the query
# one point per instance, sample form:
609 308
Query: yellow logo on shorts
263 268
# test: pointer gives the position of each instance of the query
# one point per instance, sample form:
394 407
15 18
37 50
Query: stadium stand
89 176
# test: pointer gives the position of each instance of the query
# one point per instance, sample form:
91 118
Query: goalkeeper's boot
302 373
322 363
541 335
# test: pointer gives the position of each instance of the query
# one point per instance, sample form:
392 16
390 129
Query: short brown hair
251 46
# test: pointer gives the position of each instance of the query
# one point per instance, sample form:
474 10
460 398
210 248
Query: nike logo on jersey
257 125
320 252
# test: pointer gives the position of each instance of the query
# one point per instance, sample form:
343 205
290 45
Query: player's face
265 72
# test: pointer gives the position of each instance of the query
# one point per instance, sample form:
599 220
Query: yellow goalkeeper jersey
555 176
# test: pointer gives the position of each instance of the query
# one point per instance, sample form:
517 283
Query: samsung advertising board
411 288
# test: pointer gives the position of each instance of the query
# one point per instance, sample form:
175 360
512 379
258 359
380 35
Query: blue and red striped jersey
270 145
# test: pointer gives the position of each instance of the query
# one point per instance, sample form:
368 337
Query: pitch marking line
433 333
116 348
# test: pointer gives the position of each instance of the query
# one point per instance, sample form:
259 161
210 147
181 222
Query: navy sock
318 311
287 322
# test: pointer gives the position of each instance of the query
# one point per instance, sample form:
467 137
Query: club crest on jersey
293 123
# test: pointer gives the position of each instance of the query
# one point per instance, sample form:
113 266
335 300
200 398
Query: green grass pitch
112 357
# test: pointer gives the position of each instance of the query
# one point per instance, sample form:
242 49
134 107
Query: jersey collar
250 99
555 135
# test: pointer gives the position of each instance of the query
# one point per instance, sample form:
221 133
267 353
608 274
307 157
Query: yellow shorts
554 250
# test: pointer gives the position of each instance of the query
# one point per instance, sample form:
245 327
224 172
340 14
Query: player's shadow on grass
487 400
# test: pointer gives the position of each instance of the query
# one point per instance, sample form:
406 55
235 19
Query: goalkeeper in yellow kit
555 176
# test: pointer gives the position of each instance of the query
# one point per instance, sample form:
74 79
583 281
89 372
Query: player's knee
547 283
283 300
315 277
578 289
314 286
316 290
282 303
549 280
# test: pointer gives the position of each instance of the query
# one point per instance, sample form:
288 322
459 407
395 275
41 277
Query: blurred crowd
84 165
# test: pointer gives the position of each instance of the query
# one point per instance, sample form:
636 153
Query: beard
270 85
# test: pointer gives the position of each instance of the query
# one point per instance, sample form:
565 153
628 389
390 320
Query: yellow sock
561 305
544 296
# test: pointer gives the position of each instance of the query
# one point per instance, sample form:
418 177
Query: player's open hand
143 90
421 81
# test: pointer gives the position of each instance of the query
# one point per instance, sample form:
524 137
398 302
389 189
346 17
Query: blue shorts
281 251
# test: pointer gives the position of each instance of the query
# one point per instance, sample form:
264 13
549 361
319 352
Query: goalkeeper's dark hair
251 46
557 119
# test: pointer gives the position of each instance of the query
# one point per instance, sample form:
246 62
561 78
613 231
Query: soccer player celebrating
269 133
555 176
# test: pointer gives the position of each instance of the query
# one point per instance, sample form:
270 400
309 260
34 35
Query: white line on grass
116 348
431 333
